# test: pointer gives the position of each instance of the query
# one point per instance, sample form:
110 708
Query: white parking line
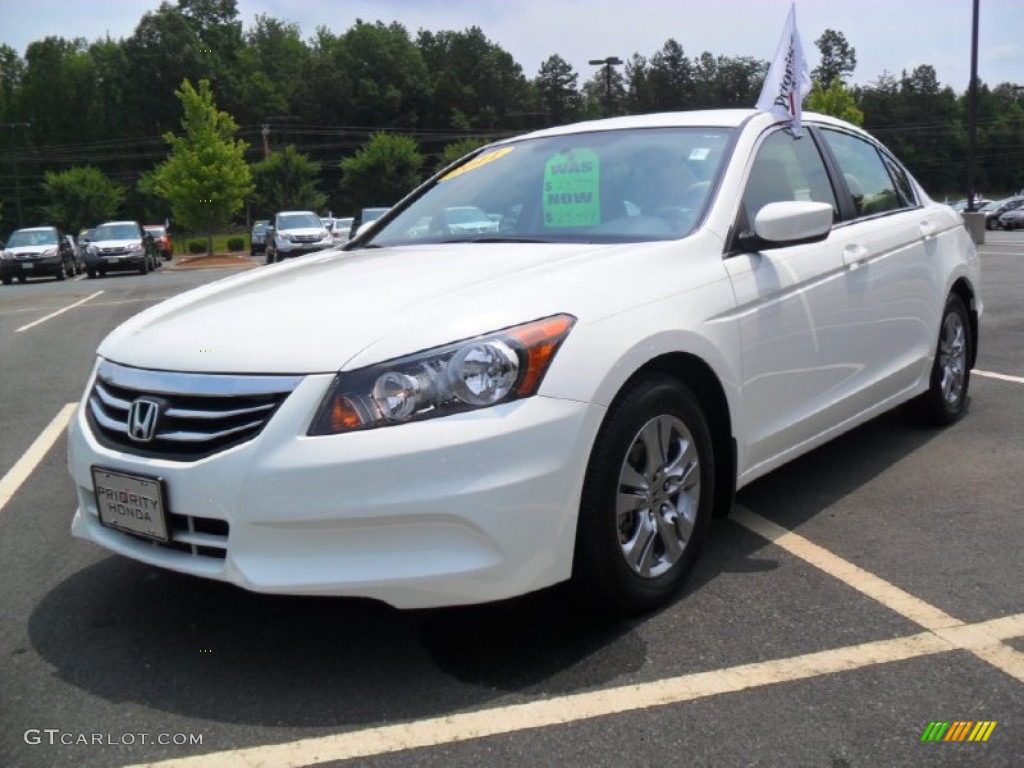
1000 376
58 312
943 633
17 474
560 710
956 632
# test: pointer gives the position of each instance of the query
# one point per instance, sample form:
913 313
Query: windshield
604 186
155 231
116 232
299 221
28 237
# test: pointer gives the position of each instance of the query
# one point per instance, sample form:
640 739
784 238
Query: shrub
197 246
236 243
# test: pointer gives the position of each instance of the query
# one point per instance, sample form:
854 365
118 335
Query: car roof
697 118
35 229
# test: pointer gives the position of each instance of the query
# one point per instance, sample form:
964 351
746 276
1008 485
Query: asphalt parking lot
854 597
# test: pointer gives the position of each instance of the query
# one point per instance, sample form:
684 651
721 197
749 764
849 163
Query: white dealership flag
788 80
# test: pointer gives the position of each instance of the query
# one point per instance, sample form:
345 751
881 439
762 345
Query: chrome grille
198 414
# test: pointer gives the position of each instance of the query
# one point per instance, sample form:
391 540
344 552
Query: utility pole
14 164
608 63
972 118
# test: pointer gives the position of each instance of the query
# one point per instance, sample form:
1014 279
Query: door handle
928 229
855 254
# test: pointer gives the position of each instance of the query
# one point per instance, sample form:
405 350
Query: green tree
475 83
81 197
453 152
287 179
835 100
381 172
205 179
838 58
556 88
670 78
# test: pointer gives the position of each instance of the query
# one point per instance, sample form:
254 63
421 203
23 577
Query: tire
946 398
22 279
91 273
62 272
7 280
990 224
648 497
144 269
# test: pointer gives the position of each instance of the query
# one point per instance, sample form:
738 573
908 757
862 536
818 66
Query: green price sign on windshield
572 195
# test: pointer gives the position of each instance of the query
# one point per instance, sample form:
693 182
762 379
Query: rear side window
868 178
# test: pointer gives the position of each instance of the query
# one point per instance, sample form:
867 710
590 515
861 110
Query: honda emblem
142 417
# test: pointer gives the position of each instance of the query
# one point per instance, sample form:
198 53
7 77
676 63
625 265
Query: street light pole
14 164
608 63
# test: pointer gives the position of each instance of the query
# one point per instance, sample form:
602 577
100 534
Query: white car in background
673 306
295 233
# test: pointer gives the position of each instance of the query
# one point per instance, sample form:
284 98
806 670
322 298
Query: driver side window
786 168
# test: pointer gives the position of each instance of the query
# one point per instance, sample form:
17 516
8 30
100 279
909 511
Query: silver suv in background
293 233
119 246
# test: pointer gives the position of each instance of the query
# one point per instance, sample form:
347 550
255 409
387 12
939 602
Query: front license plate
27 265
130 503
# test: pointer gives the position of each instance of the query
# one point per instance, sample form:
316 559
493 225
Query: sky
888 35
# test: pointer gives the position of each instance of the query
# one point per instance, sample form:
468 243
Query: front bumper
52 265
287 250
114 262
464 509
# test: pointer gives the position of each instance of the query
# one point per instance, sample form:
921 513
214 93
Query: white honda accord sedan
663 309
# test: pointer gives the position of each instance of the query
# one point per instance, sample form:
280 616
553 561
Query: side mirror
792 222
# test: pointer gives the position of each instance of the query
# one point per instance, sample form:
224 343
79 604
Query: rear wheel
144 269
647 497
946 398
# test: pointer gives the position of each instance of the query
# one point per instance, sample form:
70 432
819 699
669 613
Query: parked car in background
162 240
294 233
366 215
77 253
119 246
342 229
258 237
36 252
465 418
1012 219
85 237
961 205
997 208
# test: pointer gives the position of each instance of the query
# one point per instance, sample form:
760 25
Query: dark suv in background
258 238
36 252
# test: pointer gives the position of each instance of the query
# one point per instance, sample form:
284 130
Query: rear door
891 287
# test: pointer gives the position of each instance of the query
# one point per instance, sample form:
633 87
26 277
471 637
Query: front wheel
647 497
946 398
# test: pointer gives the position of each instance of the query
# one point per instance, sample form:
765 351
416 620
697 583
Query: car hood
341 309
22 249
307 231
115 243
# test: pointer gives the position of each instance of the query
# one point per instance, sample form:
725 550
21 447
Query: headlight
133 247
476 373
48 253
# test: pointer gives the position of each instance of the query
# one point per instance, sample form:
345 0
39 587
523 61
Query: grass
220 242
